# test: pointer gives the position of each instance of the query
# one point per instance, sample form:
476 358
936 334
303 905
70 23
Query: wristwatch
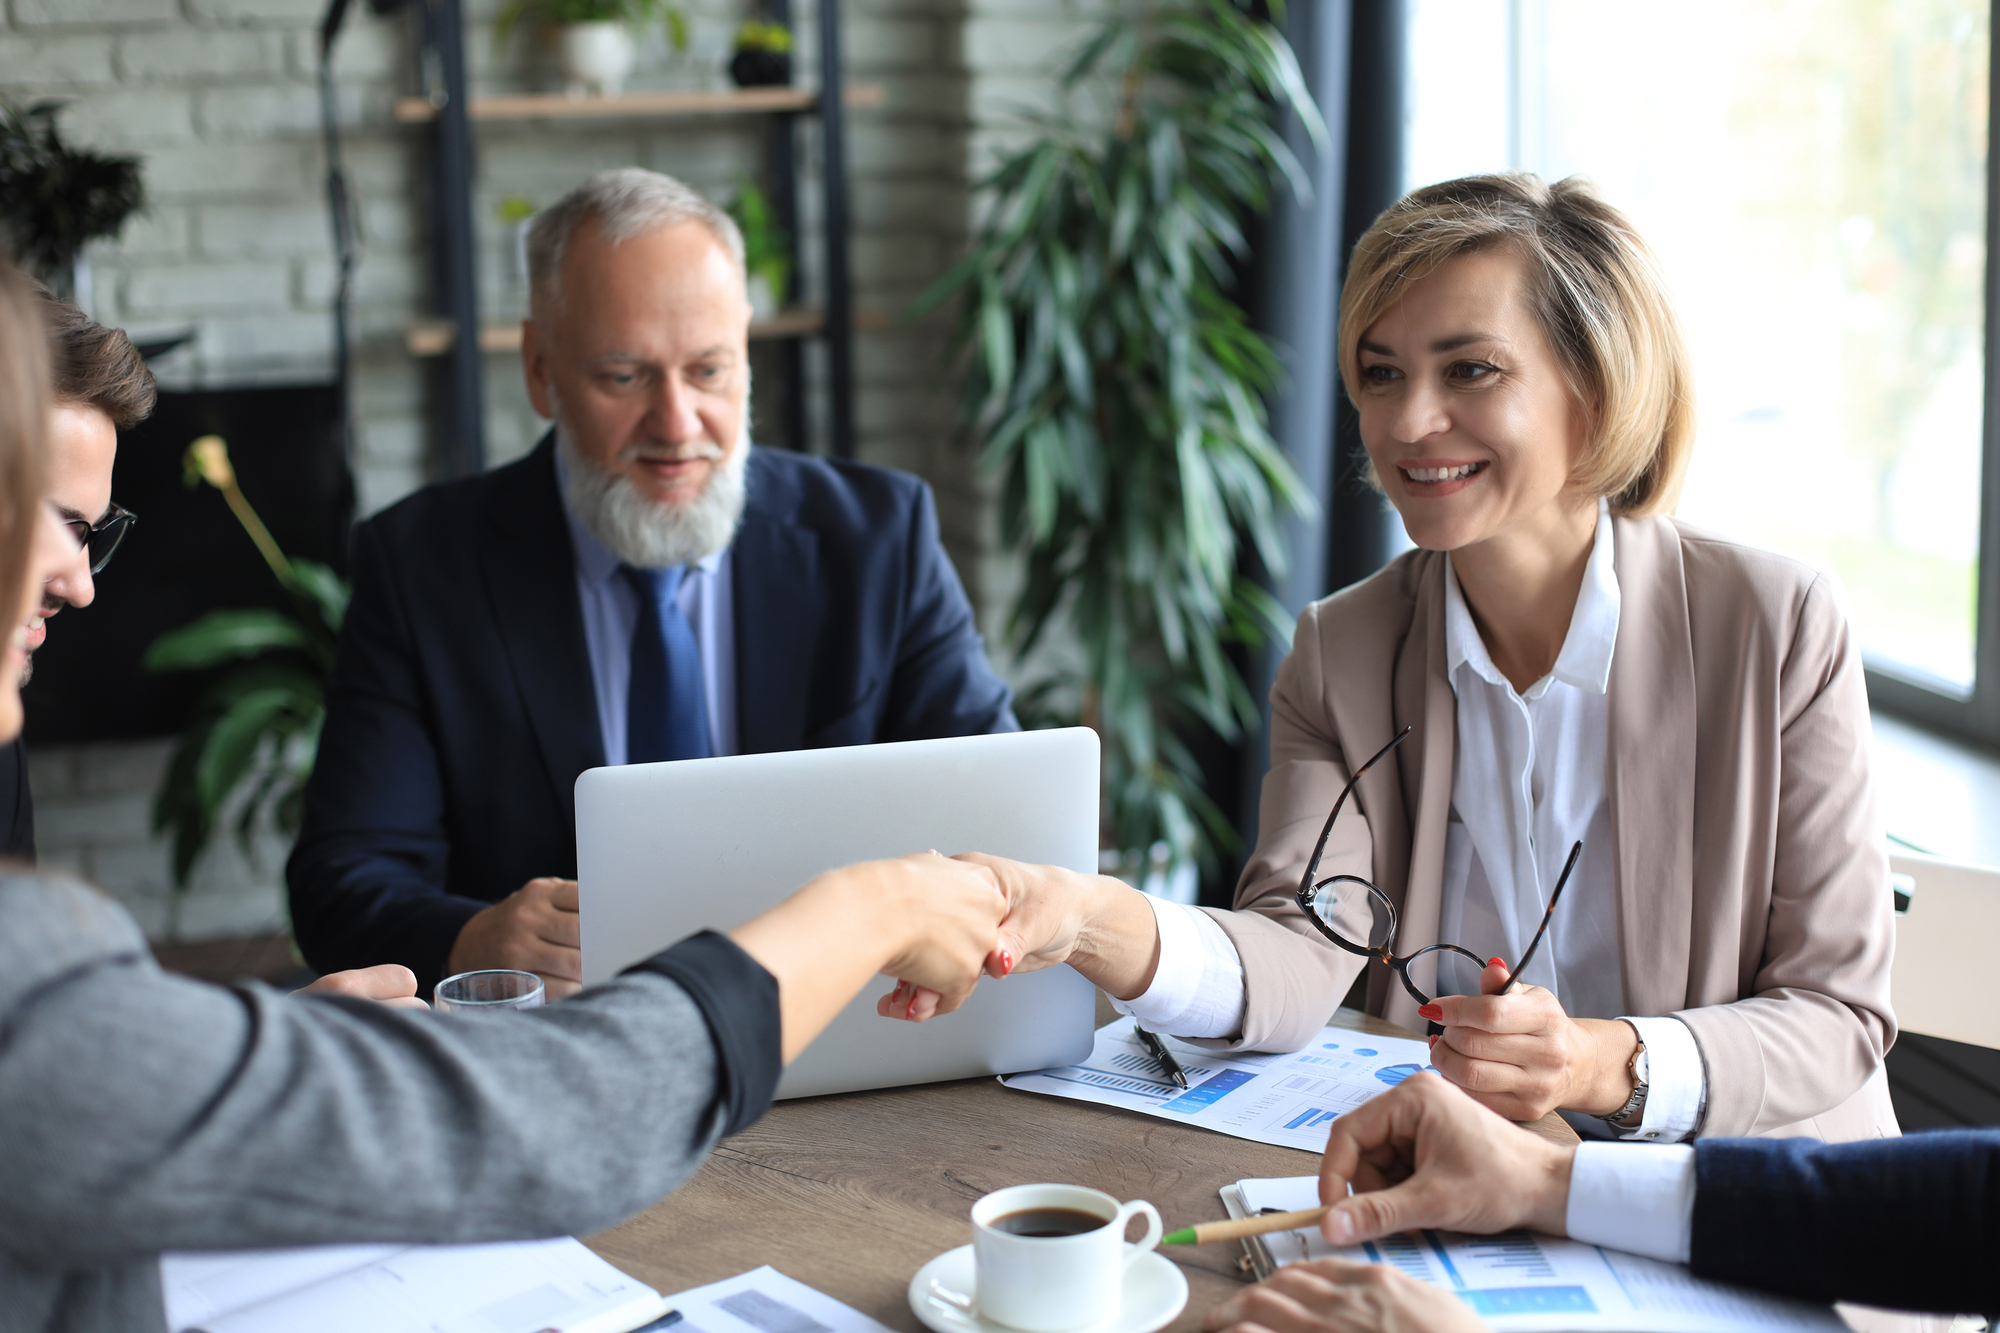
1638 1067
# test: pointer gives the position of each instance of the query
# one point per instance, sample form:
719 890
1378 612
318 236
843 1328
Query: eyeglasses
102 537
1346 907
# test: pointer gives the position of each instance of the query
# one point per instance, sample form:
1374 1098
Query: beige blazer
1753 877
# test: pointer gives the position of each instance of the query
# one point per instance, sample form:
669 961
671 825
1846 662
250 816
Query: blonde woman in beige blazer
1690 710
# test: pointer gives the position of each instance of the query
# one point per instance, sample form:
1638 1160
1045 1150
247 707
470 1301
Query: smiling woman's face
1465 411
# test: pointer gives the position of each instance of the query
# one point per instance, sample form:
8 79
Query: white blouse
1529 781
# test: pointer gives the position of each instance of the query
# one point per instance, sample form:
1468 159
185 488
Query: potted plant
255 734
763 54
1117 388
767 260
55 199
594 38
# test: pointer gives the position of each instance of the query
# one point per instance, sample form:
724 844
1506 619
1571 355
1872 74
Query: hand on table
1519 1054
1334 1296
386 983
1424 1154
533 929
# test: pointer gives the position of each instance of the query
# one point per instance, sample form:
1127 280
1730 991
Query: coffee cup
1052 1258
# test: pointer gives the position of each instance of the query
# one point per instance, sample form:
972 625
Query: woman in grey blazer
1571 666
141 1111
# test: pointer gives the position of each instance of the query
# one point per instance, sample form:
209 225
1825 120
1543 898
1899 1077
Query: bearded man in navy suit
644 585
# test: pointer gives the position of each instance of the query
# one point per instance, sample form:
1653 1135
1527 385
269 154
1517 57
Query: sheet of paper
1520 1281
523 1287
1283 1099
764 1300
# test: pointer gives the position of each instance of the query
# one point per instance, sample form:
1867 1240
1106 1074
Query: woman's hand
385 983
1102 927
1519 1054
1334 1296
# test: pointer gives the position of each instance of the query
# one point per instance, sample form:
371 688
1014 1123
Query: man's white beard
647 533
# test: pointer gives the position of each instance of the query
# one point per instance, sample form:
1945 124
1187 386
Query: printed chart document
1520 1281
1281 1099
523 1287
764 1300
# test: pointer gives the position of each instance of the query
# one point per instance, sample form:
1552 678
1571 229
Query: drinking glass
488 991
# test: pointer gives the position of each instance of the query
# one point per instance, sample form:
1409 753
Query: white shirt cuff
1197 988
1677 1083
1633 1197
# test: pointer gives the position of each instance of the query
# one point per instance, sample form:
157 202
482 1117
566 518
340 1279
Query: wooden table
853 1193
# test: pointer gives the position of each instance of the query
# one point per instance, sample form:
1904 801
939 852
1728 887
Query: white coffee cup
1051 1284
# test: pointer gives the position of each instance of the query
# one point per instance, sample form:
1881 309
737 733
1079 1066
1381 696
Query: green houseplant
1117 389
767 261
251 745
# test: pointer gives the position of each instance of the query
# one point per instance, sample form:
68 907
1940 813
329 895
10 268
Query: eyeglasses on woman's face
1358 917
102 537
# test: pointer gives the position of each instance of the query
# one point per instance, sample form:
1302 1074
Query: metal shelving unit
448 112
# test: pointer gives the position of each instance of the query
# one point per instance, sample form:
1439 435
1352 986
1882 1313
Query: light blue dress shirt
611 612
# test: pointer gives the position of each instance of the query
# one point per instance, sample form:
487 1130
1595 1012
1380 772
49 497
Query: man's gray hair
625 202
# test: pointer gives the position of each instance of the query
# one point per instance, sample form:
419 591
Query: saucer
1154 1293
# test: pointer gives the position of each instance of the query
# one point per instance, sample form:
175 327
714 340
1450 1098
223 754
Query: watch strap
1639 1089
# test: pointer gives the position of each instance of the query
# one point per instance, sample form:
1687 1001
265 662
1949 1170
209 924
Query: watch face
1642 1067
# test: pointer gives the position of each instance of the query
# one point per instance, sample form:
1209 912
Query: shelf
434 337
556 106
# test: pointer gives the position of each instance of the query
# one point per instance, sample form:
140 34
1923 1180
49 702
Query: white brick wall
218 97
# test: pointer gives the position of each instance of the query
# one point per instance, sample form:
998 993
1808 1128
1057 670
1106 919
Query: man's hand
386 983
1424 1154
533 929
1333 1296
1519 1054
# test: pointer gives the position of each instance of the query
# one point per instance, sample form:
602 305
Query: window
1813 176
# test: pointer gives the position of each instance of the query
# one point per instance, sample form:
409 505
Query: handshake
946 922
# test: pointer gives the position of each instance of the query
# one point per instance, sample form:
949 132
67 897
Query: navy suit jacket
461 709
1910 1223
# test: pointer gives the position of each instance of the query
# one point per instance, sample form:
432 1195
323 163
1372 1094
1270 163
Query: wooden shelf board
434 337
559 106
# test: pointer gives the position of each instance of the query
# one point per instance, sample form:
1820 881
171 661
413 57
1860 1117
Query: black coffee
1048 1222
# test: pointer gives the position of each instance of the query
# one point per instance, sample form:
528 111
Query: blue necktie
666 711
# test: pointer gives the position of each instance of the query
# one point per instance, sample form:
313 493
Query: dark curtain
1354 59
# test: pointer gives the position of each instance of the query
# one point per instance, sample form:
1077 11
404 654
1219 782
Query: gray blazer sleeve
142 1111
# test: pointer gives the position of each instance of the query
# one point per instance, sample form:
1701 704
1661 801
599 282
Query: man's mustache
657 453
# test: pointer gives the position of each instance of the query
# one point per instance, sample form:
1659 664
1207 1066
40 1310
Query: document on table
524 1287
1520 1281
764 1300
1283 1099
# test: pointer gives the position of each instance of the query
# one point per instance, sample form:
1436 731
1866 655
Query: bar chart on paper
1519 1281
1288 1100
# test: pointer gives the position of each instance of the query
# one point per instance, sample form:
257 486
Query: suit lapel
1424 702
778 607
530 572
1650 758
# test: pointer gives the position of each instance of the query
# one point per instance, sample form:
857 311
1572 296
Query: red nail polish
1496 962
1006 962
1432 1012
1434 1042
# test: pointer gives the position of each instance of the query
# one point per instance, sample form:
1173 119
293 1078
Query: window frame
1972 715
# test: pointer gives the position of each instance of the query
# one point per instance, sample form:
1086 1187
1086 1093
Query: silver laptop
664 850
